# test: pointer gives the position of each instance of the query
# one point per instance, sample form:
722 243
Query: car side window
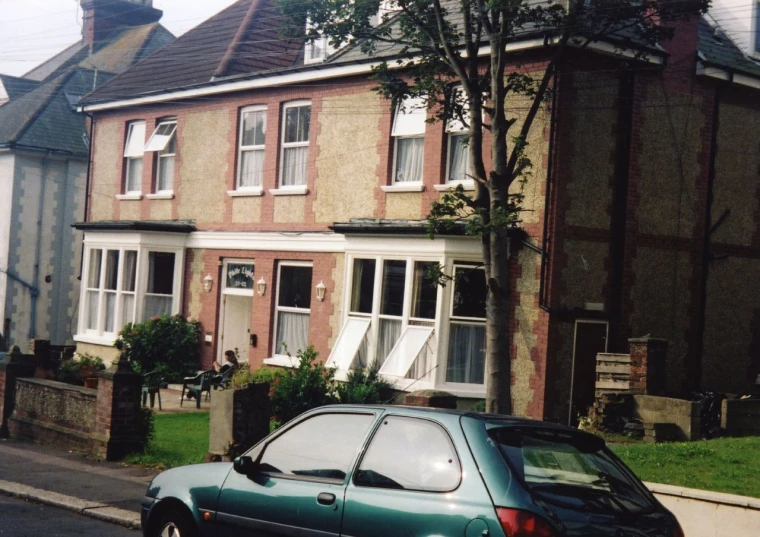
410 454
324 447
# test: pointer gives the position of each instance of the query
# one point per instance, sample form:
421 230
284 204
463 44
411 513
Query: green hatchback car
390 471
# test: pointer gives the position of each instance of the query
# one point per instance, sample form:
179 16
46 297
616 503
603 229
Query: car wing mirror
245 465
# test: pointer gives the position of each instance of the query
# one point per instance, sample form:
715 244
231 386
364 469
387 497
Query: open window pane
425 292
409 157
292 332
161 136
394 281
135 140
363 287
350 339
469 293
409 345
295 287
410 118
467 353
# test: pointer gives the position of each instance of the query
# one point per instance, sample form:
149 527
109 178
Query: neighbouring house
263 187
44 156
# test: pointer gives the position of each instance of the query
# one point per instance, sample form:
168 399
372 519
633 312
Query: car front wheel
175 523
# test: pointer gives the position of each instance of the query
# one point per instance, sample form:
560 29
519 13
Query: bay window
467 328
126 281
296 119
253 128
293 307
409 142
133 157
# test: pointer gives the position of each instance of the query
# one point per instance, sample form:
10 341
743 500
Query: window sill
160 196
289 191
467 185
129 197
94 339
414 187
245 193
281 361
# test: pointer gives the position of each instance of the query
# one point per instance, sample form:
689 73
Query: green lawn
180 439
723 465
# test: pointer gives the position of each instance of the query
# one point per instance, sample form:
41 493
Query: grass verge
729 465
179 439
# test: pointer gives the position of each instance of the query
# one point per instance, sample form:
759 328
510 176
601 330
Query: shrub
167 344
243 377
308 385
364 386
146 427
79 367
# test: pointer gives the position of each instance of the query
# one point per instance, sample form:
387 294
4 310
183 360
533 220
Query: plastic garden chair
152 386
197 385
223 379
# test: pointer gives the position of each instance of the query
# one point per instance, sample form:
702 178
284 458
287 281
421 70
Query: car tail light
677 531
517 523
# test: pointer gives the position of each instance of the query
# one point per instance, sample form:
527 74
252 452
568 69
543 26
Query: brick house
44 156
269 192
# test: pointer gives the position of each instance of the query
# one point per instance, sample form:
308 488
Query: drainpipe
87 188
38 248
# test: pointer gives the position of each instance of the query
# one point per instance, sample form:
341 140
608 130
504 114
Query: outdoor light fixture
261 286
321 288
208 281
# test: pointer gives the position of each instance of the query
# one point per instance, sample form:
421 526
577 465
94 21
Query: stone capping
647 340
705 495
88 392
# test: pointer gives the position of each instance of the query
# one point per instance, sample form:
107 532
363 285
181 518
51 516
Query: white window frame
469 321
454 128
284 359
300 189
143 244
413 108
130 155
158 143
119 292
256 189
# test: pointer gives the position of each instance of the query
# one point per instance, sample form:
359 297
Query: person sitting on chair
230 361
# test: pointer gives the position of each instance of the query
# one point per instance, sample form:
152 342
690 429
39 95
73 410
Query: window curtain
134 174
130 271
409 153
389 332
252 168
110 312
459 158
294 167
167 173
293 331
156 306
467 357
127 308
92 309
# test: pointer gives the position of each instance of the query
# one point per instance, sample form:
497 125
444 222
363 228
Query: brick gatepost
13 366
117 420
648 356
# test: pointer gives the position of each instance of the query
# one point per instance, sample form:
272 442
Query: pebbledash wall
643 163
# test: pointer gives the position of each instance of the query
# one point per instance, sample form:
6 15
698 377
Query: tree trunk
498 361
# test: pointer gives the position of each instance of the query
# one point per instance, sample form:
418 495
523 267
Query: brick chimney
101 17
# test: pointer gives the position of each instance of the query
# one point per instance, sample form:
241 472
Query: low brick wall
740 417
50 412
682 415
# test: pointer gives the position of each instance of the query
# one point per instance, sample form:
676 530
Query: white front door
237 325
237 307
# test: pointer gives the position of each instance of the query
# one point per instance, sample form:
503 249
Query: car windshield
573 470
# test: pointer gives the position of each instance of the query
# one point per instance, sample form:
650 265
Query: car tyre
175 523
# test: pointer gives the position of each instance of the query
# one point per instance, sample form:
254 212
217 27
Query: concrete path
107 491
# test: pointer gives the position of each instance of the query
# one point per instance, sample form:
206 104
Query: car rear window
571 469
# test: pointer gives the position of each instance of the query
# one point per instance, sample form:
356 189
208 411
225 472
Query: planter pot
91 382
239 419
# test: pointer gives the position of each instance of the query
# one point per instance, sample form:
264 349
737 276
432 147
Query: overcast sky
32 31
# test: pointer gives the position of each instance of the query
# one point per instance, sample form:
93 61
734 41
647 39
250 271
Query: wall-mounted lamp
321 289
208 281
261 286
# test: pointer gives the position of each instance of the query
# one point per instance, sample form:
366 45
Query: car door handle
325 498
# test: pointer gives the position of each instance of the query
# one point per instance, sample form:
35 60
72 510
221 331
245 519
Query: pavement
107 491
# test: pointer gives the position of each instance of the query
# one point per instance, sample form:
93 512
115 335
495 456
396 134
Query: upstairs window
164 142
253 129
409 141
458 162
133 157
296 119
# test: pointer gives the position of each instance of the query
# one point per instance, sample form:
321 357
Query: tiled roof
15 87
230 40
717 49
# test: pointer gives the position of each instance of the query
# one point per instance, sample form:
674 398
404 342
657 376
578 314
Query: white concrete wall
6 205
703 513
738 19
